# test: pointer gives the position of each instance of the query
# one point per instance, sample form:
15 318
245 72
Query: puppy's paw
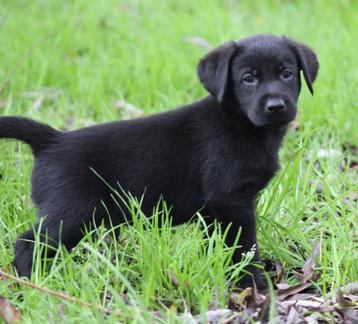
255 279
260 283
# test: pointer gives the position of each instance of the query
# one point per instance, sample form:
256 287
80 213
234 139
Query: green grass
99 52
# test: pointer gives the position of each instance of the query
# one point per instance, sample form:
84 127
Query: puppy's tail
37 135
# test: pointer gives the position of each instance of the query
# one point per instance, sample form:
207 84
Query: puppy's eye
287 74
249 78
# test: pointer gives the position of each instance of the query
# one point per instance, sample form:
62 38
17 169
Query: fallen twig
59 294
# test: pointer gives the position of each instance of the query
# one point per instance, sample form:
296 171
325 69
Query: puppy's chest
256 170
260 162
242 168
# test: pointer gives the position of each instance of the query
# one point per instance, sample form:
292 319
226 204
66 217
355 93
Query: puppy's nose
274 105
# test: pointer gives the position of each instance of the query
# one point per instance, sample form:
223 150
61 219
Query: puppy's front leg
238 215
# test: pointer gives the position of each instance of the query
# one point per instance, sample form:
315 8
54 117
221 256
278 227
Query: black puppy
214 155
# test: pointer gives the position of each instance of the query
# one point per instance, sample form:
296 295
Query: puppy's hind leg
24 248
65 228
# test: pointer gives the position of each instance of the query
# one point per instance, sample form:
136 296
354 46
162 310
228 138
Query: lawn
77 63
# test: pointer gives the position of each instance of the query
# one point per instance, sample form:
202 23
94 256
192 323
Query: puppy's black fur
214 155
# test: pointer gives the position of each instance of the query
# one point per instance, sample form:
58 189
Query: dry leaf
311 320
253 301
237 299
293 316
307 269
303 303
215 316
342 302
279 273
353 298
131 110
351 288
283 294
352 315
299 296
282 286
8 312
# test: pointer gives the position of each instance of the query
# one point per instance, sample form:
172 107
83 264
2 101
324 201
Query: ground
73 64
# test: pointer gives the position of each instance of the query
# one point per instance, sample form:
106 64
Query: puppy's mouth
277 124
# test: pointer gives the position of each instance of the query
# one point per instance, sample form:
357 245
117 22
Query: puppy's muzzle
275 105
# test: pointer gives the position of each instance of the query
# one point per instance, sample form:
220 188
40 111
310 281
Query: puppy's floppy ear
307 60
213 70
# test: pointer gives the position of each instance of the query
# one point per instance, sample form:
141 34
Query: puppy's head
260 75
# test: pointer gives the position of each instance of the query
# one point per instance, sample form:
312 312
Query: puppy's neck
267 137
